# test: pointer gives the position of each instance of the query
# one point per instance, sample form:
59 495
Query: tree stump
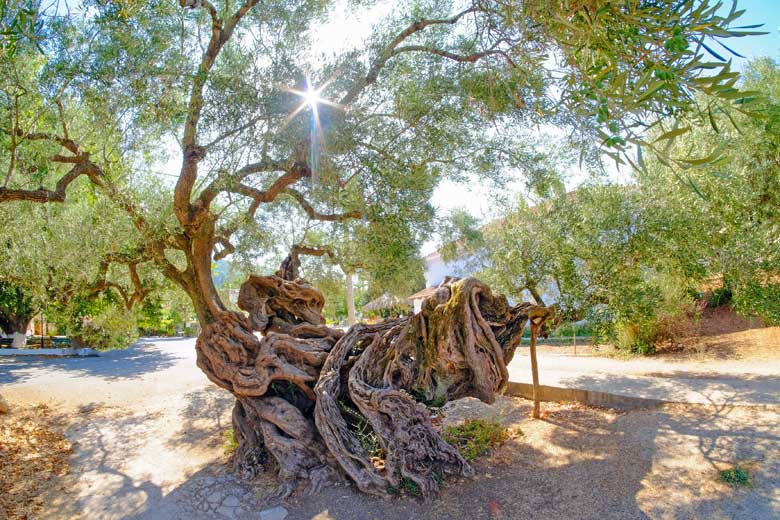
316 404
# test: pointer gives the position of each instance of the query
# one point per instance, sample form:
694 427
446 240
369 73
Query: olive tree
440 88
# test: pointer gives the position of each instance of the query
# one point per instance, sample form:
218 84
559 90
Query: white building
462 266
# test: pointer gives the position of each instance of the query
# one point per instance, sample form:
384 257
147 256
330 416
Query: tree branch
223 179
388 52
227 248
65 142
192 153
132 262
468 58
87 168
234 131
291 265
315 215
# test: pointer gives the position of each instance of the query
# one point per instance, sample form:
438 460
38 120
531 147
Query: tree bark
16 313
351 320
534 293
18 329
315 404
537 316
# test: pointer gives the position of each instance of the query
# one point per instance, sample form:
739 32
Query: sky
346 29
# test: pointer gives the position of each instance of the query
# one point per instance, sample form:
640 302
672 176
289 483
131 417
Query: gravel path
147 427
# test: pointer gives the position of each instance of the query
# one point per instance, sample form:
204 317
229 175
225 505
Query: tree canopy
440 89
631 257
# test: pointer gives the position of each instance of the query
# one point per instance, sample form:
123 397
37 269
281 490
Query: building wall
436 269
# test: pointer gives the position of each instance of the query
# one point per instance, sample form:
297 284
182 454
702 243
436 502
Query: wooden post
575 339
351 319
535 369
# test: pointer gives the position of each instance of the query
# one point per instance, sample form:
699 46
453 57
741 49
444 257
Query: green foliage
625 60
163 311
229 442
360 427
98 322
452 100
461 233
113 328
19 24
736 476
17 307
475 437
757 299
719 297
410 486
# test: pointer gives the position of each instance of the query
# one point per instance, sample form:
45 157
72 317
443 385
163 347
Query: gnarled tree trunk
318 404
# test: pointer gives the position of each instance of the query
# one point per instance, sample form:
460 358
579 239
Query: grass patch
229 442
736 476
475 437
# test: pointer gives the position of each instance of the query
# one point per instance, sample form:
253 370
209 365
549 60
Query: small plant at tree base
475 437
358 425
736 476
229 443
410 486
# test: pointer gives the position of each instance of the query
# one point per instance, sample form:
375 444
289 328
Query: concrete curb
51 352
589 397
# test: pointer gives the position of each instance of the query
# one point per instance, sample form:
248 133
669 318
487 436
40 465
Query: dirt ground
34 456
588 463
146 431
577 462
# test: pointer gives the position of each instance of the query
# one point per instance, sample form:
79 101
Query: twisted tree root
309 397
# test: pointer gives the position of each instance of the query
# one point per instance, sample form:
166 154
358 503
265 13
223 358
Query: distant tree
17 309
730 206
67 259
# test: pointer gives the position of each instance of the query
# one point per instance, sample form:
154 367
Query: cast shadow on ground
586 480
684 386
727 435
578 463
206 417
141 358
105 489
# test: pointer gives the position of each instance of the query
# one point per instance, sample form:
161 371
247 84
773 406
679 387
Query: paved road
734 382
167 367
153 366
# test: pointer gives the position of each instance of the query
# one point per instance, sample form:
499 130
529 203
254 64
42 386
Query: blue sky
766 12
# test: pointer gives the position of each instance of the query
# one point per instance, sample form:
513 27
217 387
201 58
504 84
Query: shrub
636 336
113 328
475 437
756 299
718 297
660 311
